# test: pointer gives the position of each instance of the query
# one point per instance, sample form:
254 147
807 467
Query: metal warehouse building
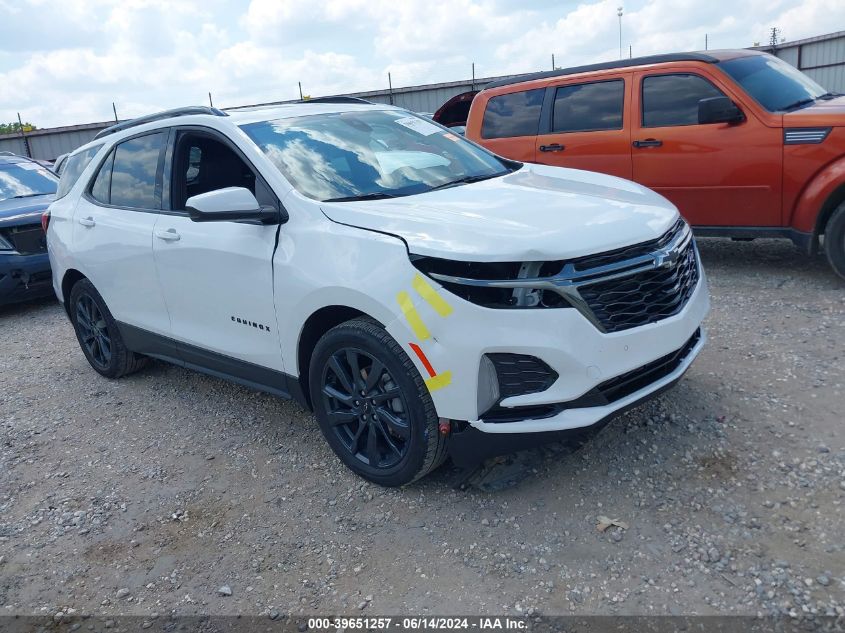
822 58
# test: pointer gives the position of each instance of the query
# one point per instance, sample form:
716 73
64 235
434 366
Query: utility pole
210 103
390 85
23 136
114 109
706 43
630 51
301 98
619 13
773 37
473 75
553 61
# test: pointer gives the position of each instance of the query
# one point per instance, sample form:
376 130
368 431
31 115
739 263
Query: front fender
811 205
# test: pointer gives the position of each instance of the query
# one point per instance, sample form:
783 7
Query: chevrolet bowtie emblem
666 258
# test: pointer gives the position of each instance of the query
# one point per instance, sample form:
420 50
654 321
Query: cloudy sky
64 62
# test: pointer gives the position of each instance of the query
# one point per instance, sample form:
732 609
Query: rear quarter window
73 168
513 114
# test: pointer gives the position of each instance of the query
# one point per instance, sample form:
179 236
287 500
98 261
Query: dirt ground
161 492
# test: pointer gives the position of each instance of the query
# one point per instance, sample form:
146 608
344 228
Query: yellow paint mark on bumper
412 316
439 381
430 294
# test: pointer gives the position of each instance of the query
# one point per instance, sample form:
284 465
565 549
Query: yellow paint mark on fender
412 316
439 381
430 294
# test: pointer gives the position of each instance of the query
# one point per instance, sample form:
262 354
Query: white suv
422 295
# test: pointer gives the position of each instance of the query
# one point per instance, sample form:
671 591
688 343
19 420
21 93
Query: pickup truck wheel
834 240
98 335
373 406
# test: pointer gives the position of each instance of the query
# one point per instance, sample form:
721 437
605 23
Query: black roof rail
158 116
336 100
622 63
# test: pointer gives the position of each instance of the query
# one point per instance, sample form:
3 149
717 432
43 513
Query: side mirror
230 205
719 110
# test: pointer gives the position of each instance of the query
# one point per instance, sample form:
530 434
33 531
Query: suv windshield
25 179
370 154
772 82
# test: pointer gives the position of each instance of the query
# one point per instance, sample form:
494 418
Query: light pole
619 13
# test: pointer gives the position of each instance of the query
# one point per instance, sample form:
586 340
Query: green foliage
15 127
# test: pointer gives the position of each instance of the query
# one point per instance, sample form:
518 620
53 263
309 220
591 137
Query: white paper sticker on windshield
419 125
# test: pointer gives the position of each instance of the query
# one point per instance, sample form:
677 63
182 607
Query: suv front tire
373 406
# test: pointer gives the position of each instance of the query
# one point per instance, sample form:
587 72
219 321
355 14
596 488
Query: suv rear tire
834 240
98 334
372 405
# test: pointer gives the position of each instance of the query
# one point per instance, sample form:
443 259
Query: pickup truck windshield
772 82
370 154
24 180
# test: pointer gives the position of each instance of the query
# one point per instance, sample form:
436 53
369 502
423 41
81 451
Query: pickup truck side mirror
231 204
719 110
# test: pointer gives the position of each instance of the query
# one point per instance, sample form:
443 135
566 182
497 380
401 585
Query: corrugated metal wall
49 144
822 58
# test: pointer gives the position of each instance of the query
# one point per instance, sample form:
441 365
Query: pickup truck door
718 174
217 277
585 125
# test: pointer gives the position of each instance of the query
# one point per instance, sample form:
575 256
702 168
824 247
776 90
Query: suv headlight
494 284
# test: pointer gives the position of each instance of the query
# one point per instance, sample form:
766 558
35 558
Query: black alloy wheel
93 331
366 408
373 406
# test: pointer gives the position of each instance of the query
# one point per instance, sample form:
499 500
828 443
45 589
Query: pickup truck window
772 82
673 99
513 114
589 107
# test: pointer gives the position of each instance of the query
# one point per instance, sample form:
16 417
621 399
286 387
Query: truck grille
27 239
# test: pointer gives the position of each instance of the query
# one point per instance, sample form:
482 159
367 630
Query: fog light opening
488 385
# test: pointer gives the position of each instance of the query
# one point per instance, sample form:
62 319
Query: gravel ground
171 492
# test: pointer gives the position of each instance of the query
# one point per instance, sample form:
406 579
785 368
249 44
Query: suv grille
647 296
28 239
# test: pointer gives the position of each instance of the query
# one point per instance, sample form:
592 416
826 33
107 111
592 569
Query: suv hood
15 211
537 213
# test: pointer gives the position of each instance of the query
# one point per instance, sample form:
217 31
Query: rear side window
131 175
514 114
589 107
673 99
73 168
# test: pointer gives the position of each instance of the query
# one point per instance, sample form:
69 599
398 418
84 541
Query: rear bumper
24 277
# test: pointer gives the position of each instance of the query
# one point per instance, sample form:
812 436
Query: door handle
649 142
89 221
170 235
554 147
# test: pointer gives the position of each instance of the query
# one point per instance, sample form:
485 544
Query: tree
15 127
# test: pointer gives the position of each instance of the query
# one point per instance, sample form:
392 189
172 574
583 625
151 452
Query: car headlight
5 245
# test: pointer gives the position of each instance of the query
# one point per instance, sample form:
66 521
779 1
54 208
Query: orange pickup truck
744 144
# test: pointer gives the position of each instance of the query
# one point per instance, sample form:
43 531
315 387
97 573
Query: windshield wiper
376 195
466 180
799 103
30 195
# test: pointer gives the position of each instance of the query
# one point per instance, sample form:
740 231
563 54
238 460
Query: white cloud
65 61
